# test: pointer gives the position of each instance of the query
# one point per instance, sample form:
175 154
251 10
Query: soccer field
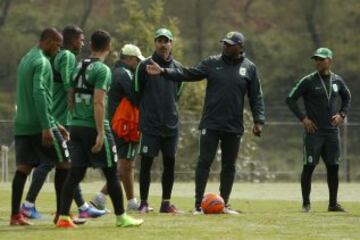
270 211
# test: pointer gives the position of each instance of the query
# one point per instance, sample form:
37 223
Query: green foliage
141 24
250 166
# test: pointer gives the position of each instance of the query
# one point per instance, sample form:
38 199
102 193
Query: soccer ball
212 204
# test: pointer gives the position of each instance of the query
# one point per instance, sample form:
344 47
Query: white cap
132 50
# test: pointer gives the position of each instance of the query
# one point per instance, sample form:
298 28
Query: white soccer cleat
228 210
99 202
133 206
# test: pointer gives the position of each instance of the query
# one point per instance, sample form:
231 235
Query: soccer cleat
29 212
306 208
144 207
127 221
227 210
65 222
19 220
75 220
132 206
98 202
198 211
91 212
336 208
166 207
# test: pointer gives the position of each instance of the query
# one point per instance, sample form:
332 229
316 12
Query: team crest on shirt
203 131
335 87
145 149
242 71
310 159
66 153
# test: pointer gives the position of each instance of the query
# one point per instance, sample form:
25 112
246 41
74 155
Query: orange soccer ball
212 204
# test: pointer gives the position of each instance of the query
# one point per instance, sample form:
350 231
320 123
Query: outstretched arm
179 74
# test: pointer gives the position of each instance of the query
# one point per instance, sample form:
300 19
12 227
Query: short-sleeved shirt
34 94
64 64
98 75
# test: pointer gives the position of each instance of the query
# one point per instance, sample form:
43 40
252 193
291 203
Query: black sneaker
306 208
336 208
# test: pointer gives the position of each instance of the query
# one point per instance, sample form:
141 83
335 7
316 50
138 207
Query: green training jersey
34 94
97 75
64 64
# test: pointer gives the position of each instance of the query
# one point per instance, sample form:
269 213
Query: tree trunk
309 9
86 14
199 28
4 11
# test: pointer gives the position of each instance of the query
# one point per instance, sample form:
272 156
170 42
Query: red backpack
125 121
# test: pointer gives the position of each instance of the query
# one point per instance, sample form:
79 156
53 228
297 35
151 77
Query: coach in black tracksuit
320 91
229 76
158 120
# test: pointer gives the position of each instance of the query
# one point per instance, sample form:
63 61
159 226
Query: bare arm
99 114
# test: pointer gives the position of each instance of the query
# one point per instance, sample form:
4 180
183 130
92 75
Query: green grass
271 211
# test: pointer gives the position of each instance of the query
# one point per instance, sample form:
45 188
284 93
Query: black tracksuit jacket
320 99
228 81
157 98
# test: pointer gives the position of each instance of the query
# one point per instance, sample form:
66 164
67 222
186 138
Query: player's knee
229 167
26 169
63 165
46 167
204 163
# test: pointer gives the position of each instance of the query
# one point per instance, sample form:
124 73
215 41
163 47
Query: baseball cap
132 50
233 38
163 32
323 53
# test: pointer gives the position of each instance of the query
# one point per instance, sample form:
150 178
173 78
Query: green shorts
322 144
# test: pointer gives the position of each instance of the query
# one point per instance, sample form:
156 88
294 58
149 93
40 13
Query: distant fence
278 158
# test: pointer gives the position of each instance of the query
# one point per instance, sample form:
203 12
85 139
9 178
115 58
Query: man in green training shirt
92 144
38 137
63 65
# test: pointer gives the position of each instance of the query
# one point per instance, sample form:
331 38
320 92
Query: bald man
38 137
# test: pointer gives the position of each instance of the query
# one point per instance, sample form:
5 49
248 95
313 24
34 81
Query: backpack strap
86 87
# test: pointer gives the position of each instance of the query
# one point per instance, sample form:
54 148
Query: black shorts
30 151
324 145
150 145
82 140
